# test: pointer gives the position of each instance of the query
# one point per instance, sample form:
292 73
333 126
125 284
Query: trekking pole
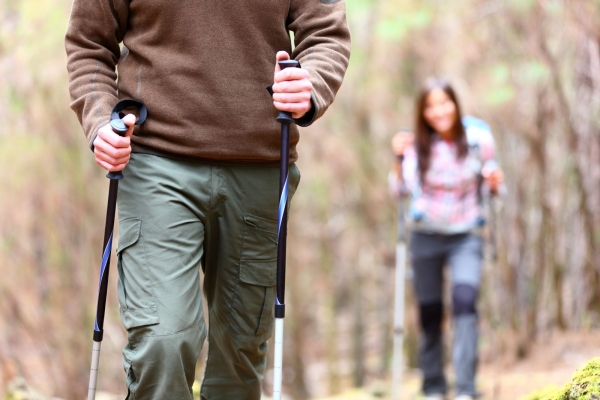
285 118
119 127
399 296
492 228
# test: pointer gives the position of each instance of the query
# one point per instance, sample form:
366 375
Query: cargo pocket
260 238
136 302
254 297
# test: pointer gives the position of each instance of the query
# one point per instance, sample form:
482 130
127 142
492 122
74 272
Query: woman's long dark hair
423 131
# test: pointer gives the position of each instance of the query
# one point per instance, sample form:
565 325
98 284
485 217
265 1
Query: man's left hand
291 89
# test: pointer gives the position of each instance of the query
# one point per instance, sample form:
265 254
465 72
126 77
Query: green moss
544 393
584 385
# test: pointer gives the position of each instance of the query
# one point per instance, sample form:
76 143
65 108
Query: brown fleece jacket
201 67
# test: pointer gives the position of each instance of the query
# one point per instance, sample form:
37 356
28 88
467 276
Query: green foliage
535 71
500 90
499 95
358 6
397 26
522 6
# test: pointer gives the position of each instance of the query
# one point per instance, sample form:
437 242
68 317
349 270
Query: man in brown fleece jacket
201 182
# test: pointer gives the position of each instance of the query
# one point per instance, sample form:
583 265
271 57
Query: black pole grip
285 116
120 128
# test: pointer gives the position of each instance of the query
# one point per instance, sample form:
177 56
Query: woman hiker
445 168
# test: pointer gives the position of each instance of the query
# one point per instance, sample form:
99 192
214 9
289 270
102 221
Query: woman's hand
494 179
401 141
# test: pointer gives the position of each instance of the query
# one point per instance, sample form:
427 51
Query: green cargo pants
177 216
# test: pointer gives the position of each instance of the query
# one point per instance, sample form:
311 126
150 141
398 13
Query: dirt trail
552 361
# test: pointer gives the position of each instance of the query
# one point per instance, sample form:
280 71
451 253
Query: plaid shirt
448 201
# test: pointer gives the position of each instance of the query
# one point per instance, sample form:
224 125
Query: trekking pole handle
400 160
119 127
285 116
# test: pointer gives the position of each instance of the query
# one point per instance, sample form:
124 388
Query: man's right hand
401 141
111 150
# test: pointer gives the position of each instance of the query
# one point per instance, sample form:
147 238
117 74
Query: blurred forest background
530 68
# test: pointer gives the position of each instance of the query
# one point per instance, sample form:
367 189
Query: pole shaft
103 285
278 360
94 371
285 118
281 254
492 229
399 303
105 267
282 231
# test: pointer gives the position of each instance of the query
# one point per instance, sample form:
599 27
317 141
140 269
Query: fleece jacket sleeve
92 44
322 46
